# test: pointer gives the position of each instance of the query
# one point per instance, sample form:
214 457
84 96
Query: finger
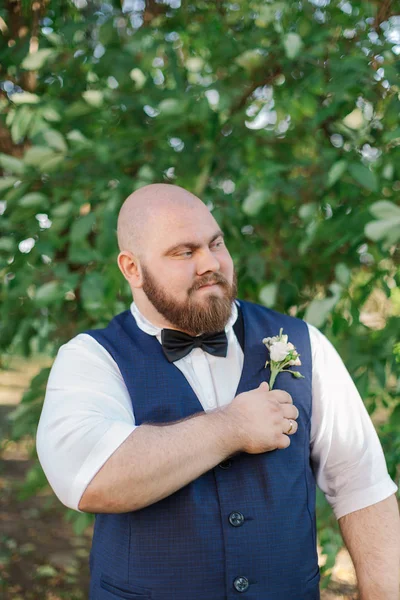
289 426
290 411
283 442
264 386
283 397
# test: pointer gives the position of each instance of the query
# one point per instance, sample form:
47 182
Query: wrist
229 432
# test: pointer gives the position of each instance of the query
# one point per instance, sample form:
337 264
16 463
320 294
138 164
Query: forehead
181 224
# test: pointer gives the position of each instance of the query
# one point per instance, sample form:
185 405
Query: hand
261 419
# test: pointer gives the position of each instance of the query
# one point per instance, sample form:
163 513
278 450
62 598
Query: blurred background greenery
282 116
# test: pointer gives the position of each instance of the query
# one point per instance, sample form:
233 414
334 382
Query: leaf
343 274
255 268
385 210
12 164
251 60
77 109
55 140
354 120
82 253
36 155
92 291
171 107
254 202
7 244
54 38
46 571
10 116
50 114
7 183
336 171
292 43
394 419
391 136
49 165
388 171
364 176
20 124
267 294
380 372
362 382
138 77
266 13
36 60
146 173
63 209
24 98
308 211
80 522
379 230
318 310
48 293
77 137
82 227
34 199
93 97
194 64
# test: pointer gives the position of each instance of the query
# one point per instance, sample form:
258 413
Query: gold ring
291 426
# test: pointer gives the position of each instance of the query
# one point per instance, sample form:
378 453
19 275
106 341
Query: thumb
264 386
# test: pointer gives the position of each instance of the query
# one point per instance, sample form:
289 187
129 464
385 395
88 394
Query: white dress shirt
87 414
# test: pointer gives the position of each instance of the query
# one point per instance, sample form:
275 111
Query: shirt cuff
343 505
100 453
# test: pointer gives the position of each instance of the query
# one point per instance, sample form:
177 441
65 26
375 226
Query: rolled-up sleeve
87 414
346 453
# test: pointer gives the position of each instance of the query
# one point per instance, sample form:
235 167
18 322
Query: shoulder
83 352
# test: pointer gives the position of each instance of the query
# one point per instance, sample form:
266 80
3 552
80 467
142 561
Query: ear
129 266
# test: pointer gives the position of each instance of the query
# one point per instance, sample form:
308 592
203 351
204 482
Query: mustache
217 278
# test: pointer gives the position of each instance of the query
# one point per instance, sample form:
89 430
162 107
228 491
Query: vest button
241 584
236 519
226 464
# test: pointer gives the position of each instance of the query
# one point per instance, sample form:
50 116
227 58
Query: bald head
173 255
147 205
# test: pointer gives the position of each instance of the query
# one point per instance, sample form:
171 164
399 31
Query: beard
192 316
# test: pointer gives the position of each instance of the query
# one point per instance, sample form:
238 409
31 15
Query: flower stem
274 373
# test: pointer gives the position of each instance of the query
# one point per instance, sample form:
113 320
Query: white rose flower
282 354
279 351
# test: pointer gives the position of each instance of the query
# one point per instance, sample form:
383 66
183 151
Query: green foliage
329 537
80 521
281 116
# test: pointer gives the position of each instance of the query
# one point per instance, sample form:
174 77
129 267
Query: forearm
155 461
372 536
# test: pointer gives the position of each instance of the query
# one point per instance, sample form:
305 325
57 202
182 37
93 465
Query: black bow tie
177 344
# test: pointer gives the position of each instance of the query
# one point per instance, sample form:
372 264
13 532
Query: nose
207 261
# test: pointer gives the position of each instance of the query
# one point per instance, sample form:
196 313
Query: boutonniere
282 354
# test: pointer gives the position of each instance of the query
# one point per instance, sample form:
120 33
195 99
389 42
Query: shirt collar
148 327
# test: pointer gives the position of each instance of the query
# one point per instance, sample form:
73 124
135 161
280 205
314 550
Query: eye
187 253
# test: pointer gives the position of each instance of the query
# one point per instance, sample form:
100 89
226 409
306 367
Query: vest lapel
255 353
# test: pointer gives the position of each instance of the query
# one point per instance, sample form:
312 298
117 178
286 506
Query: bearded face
205 309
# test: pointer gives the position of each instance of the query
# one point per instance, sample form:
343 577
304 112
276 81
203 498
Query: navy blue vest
244 529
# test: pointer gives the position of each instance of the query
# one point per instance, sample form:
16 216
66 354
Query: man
203 480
